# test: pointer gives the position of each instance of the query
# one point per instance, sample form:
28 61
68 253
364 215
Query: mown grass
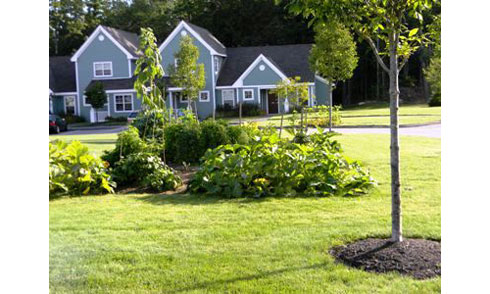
368 115
96 143
193 244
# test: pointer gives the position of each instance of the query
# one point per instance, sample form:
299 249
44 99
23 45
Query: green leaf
413 32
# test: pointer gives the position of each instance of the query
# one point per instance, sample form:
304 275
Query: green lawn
191 244
96 143
371 115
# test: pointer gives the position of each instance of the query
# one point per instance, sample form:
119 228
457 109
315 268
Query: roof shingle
130 41
62 74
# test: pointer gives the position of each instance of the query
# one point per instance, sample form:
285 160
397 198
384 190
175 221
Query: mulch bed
418 258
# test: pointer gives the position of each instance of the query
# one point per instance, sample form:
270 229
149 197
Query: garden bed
418 258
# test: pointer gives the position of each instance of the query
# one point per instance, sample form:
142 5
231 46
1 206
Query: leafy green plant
270 166
183 142
96 97
128 142
238 135
213 134
73 171
322 115
147 170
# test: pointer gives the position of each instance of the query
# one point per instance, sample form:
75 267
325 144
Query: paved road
94 130
432 131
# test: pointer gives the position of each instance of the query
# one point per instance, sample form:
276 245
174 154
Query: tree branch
404 61
375 50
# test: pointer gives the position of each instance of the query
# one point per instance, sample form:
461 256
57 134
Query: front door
272 103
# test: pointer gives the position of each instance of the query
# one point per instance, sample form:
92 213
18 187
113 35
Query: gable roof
62 74
292 60
130 41
126 41
260 58
202 35
209 38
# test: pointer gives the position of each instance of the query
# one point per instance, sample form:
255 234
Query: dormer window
103 69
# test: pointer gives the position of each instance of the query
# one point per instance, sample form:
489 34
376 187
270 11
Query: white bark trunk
396 211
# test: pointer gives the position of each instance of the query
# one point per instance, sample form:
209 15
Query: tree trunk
195 109
330 102
396 211
96 116
280 128
306 121
302 121
240 113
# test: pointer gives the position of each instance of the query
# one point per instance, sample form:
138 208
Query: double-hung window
70 105
248 94
123 102
228 97
103 69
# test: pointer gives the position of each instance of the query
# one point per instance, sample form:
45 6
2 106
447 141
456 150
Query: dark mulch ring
418 258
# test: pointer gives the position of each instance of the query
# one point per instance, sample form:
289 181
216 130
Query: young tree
292 91
188 74
96 97
148 71
387 20
333 55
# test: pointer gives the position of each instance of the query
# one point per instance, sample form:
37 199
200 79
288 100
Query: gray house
233 75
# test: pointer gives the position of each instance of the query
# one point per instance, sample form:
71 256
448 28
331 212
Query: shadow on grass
195 199
205 285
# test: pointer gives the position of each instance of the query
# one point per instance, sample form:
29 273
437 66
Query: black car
56 124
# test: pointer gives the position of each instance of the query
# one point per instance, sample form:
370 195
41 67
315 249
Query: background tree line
234 23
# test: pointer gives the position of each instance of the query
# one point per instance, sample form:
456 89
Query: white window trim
94 34
185 26
123 94
182 96
176 62
223 96
256 62
103 76
248 99
209 97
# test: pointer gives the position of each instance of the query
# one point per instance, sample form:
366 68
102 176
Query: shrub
150 123
183 142
213 134
116 119
147 170
248 109
128 142
71 119
320 115
433 76
273 167
72 170
238 135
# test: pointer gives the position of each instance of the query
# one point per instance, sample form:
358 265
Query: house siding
257 77
112 104
205 109
321 92
96 51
